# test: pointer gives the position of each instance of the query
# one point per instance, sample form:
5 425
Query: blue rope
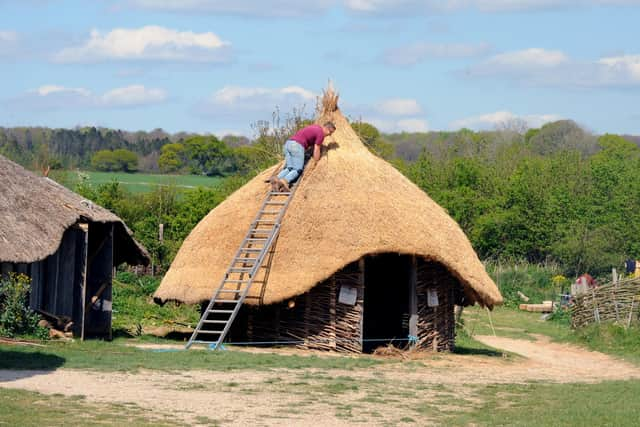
411 339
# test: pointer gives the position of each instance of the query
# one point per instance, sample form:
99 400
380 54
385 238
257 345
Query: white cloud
233 96
417 52
134 95
539 67
254 103
398 107
47 90
148 43
410 7
402 125
8 36
527 59
626 67
296 8
9 41
49 97
502 119
287 8
413 125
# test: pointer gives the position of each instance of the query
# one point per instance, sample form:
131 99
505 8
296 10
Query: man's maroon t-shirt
309 135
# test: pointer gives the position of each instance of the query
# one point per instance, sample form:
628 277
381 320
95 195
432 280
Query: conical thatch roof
36 211
350 205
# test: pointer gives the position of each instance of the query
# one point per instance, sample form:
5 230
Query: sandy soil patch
382 394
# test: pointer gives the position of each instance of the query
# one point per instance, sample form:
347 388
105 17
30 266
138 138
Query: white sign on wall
348 295
432 298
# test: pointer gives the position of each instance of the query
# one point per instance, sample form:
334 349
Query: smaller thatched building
364 257
66 244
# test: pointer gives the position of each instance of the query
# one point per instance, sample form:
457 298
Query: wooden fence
614 302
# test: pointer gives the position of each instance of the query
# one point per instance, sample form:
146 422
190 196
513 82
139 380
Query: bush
537 281
15 316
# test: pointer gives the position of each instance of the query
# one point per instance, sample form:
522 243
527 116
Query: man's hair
329 125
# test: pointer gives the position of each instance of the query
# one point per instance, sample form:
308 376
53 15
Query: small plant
15 316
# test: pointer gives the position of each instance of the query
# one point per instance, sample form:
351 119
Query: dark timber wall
318 320
75 281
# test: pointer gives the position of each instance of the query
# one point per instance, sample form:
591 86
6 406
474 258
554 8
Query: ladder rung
261 233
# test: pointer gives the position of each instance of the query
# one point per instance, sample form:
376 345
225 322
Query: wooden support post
361 282
332 312
413 300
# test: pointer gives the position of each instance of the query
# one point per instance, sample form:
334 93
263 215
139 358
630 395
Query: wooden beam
413 298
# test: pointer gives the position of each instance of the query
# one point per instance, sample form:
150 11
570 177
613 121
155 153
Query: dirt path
384 394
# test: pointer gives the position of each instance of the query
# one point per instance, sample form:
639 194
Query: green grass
118 356
613 403
607 338
142 183
57 410
539 282
134 311
512 323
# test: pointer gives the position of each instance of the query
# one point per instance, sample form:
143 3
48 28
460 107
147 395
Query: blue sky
216 66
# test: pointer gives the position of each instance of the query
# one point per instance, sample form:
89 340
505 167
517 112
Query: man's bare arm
316 152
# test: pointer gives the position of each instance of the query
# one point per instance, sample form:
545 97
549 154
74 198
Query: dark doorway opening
386 300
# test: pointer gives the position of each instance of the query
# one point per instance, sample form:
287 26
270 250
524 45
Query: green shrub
539 282
15 316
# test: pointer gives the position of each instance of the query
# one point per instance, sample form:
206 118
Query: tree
118 160
126 161
172 157
103 160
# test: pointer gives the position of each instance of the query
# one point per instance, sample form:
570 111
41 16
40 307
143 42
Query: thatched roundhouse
66 244
363 256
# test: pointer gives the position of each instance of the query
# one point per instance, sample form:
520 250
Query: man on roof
310 137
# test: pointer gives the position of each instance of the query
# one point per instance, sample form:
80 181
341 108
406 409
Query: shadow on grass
476 351
177 336
24 363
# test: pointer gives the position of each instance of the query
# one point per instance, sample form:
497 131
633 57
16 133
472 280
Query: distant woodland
552 194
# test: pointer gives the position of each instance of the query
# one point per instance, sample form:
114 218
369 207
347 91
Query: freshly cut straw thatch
36 211
348 205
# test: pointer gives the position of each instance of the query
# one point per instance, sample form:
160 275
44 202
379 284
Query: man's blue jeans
293 161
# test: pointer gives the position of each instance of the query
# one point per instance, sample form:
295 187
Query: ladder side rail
205 314
242 297
257 264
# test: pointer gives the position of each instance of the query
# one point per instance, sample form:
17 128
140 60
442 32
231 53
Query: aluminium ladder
225 304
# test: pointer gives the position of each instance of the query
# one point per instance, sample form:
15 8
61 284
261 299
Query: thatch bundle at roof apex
36 211
349 205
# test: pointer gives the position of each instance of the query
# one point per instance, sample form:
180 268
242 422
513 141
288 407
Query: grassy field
58 410
609 338
140 183
361 389
351 389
